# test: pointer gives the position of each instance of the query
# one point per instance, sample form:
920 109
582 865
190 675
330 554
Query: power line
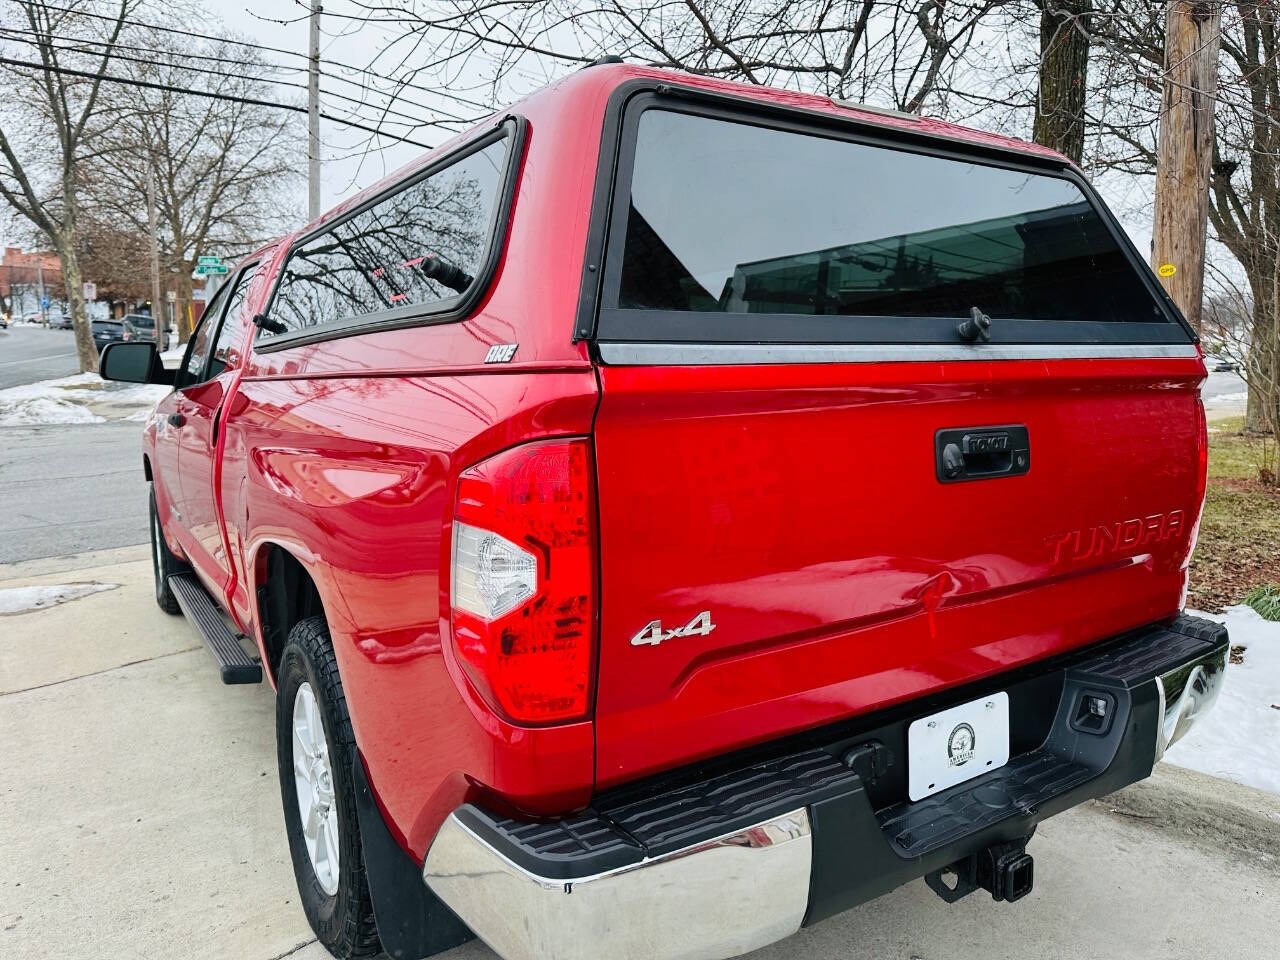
280 50
267 65
413 121
251 101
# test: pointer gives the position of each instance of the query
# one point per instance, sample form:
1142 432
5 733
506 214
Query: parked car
106 331
1220 363
4 321
811 516
60 321
139 326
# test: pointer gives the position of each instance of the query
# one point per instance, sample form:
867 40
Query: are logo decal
960 745
501 353
653 633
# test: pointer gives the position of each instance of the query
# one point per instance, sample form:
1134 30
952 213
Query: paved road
66 489
140 816
1222 384
28 354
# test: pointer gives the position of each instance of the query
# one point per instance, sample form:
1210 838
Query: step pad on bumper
624 830
234 664
1017 788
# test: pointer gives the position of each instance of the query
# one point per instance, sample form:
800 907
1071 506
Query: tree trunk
86 349
1064 71
183 305
1262 366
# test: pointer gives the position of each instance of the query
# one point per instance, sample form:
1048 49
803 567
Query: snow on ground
1240 737
83 398
47 401
1226 405
15 600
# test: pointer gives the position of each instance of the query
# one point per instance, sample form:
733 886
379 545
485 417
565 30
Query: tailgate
785 363
798 510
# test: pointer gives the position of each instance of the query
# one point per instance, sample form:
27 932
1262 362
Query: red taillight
1202 456
522 581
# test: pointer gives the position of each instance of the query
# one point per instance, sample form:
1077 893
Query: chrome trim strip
717 899
716 354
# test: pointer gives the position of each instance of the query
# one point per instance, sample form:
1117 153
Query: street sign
90 290
44 303
208 261
171 296
205 269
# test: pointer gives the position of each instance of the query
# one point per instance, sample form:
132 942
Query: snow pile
14 600
83 398
48 401
36 411
1240 737
1227 399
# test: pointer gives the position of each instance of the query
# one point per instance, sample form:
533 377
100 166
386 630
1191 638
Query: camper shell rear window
730 228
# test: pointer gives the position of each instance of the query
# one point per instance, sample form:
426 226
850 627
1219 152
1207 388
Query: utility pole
44 310
313 116
162 328
1193 35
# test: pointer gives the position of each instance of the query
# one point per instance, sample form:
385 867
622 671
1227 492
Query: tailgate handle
981 453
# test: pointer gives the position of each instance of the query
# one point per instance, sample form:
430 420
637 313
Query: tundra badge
653 634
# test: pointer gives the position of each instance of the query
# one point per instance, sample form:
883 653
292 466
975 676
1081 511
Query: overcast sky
345 167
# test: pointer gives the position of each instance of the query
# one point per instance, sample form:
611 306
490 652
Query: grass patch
1266 600
1239 545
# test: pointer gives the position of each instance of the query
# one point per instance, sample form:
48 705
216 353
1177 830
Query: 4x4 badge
653 634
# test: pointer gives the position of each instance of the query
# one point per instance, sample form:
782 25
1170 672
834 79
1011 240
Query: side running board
235 665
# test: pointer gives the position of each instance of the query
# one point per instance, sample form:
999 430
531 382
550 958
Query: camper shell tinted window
726 229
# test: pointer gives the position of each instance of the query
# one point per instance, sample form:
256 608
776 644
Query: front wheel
315 748
163 563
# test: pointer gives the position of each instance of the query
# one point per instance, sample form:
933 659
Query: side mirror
133 362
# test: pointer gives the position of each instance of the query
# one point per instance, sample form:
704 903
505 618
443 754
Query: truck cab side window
230 342
415 251
193 363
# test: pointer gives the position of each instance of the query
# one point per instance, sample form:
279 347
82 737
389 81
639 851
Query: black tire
163 563
343 922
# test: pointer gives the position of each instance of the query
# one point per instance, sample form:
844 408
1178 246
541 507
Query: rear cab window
419 253
726 228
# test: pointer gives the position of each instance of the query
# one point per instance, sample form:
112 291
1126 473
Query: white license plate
957 745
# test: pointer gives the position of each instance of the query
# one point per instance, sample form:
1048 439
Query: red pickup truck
674 512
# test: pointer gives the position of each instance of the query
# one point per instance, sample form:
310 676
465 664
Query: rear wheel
163 563
315 748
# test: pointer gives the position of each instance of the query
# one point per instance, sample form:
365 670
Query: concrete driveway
140 817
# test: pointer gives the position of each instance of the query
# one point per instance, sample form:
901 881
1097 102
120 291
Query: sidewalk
140 817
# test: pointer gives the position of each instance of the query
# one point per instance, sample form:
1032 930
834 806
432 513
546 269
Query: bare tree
224 166
895 54
53 124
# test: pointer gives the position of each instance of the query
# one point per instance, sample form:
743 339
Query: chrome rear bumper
721 898
1186 694
719 867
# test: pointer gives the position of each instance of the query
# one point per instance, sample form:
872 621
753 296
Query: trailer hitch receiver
1005 870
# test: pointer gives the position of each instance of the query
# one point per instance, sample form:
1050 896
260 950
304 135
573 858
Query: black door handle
176 419
978 453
